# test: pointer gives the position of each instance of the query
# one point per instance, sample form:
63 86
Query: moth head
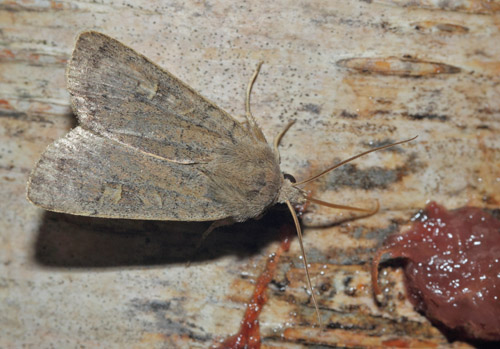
288 192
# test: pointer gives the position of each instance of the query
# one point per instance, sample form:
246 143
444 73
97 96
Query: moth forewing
149 147
120 94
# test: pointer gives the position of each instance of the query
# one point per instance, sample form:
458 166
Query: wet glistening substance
452 269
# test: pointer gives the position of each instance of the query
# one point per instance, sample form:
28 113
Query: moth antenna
280 135
251 120
309 284
343 207
349 160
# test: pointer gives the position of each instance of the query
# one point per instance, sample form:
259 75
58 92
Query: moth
149 147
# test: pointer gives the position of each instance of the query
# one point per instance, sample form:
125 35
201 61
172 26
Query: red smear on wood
396 343
6 54
249 335
452 269
408 343
4 104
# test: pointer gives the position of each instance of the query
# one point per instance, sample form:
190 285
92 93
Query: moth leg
251 120
206 233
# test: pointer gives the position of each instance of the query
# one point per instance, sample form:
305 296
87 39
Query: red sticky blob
452 269
249 335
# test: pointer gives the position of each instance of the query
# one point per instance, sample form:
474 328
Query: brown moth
150 147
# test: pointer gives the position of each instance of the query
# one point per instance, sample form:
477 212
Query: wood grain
353 74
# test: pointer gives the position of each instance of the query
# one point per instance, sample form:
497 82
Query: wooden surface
354 74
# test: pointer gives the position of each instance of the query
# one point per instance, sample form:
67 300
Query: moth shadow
86 242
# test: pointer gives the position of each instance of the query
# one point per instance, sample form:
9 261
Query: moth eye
290 177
